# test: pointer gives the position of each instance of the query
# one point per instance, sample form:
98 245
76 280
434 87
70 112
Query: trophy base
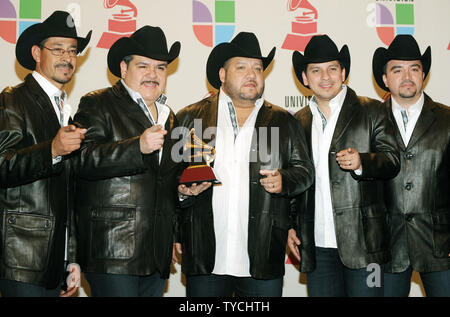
198 174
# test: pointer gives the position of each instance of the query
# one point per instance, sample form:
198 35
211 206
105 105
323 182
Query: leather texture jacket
36 196
125 200
418 198
359 211
269 216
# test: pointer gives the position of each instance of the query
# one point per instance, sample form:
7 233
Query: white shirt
163 110
52 91
413 115
230 201
324 231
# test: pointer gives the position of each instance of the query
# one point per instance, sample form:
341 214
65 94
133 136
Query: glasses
60 51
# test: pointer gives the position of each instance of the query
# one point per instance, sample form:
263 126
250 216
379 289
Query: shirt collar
48 87
413 109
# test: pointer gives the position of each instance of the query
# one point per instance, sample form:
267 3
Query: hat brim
126 46
223 52
300 62
34 35
381 57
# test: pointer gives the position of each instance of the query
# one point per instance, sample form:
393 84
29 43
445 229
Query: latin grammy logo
121 24
303 28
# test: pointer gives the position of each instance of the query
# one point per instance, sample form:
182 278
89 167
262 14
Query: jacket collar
43 101
426 119
136 114
348 112
132 108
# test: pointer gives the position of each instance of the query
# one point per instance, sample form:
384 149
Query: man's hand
175 252
73 280
349 159
152 139
194 189
67 140
293 243
272 182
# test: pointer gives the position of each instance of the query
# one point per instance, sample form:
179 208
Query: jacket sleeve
299 174
101 156
384 160
20 162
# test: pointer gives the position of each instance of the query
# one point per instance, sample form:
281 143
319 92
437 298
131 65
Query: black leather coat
418 199
359 211
125 201
35 195
269 218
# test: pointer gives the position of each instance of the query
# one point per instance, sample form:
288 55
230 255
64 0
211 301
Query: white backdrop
363 25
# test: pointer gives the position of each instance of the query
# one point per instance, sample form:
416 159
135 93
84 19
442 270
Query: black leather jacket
359 209
35 195
418 198
125 201
269 218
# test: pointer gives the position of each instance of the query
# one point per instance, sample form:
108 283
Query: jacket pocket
376 234
27 240
278 240
441 234
113 233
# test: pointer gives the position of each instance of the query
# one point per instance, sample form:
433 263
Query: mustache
149 82
407 82
251 82
65 65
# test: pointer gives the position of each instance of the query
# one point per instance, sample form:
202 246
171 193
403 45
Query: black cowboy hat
148 41
405 48
59 24
320 49
245 44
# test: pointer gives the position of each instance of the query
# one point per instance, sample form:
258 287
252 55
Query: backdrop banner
199 25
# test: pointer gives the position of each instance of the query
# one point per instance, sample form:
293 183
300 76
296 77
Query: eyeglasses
60 51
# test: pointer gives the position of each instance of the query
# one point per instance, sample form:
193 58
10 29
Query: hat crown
321 47
404 46
248 42
63 22
152 39
148 41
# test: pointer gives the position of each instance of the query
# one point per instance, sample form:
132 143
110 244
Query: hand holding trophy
201 155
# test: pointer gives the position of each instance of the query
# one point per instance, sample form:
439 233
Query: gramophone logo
121 23
13 24
213 28
303 28
392 18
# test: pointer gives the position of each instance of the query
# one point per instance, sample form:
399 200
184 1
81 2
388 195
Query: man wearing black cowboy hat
35 174
418 198
341 219
233 236
127 187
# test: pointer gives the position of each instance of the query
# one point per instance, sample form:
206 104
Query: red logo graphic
303 28
448 46
121 24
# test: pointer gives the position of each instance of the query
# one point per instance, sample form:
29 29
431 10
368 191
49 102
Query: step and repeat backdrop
199 25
